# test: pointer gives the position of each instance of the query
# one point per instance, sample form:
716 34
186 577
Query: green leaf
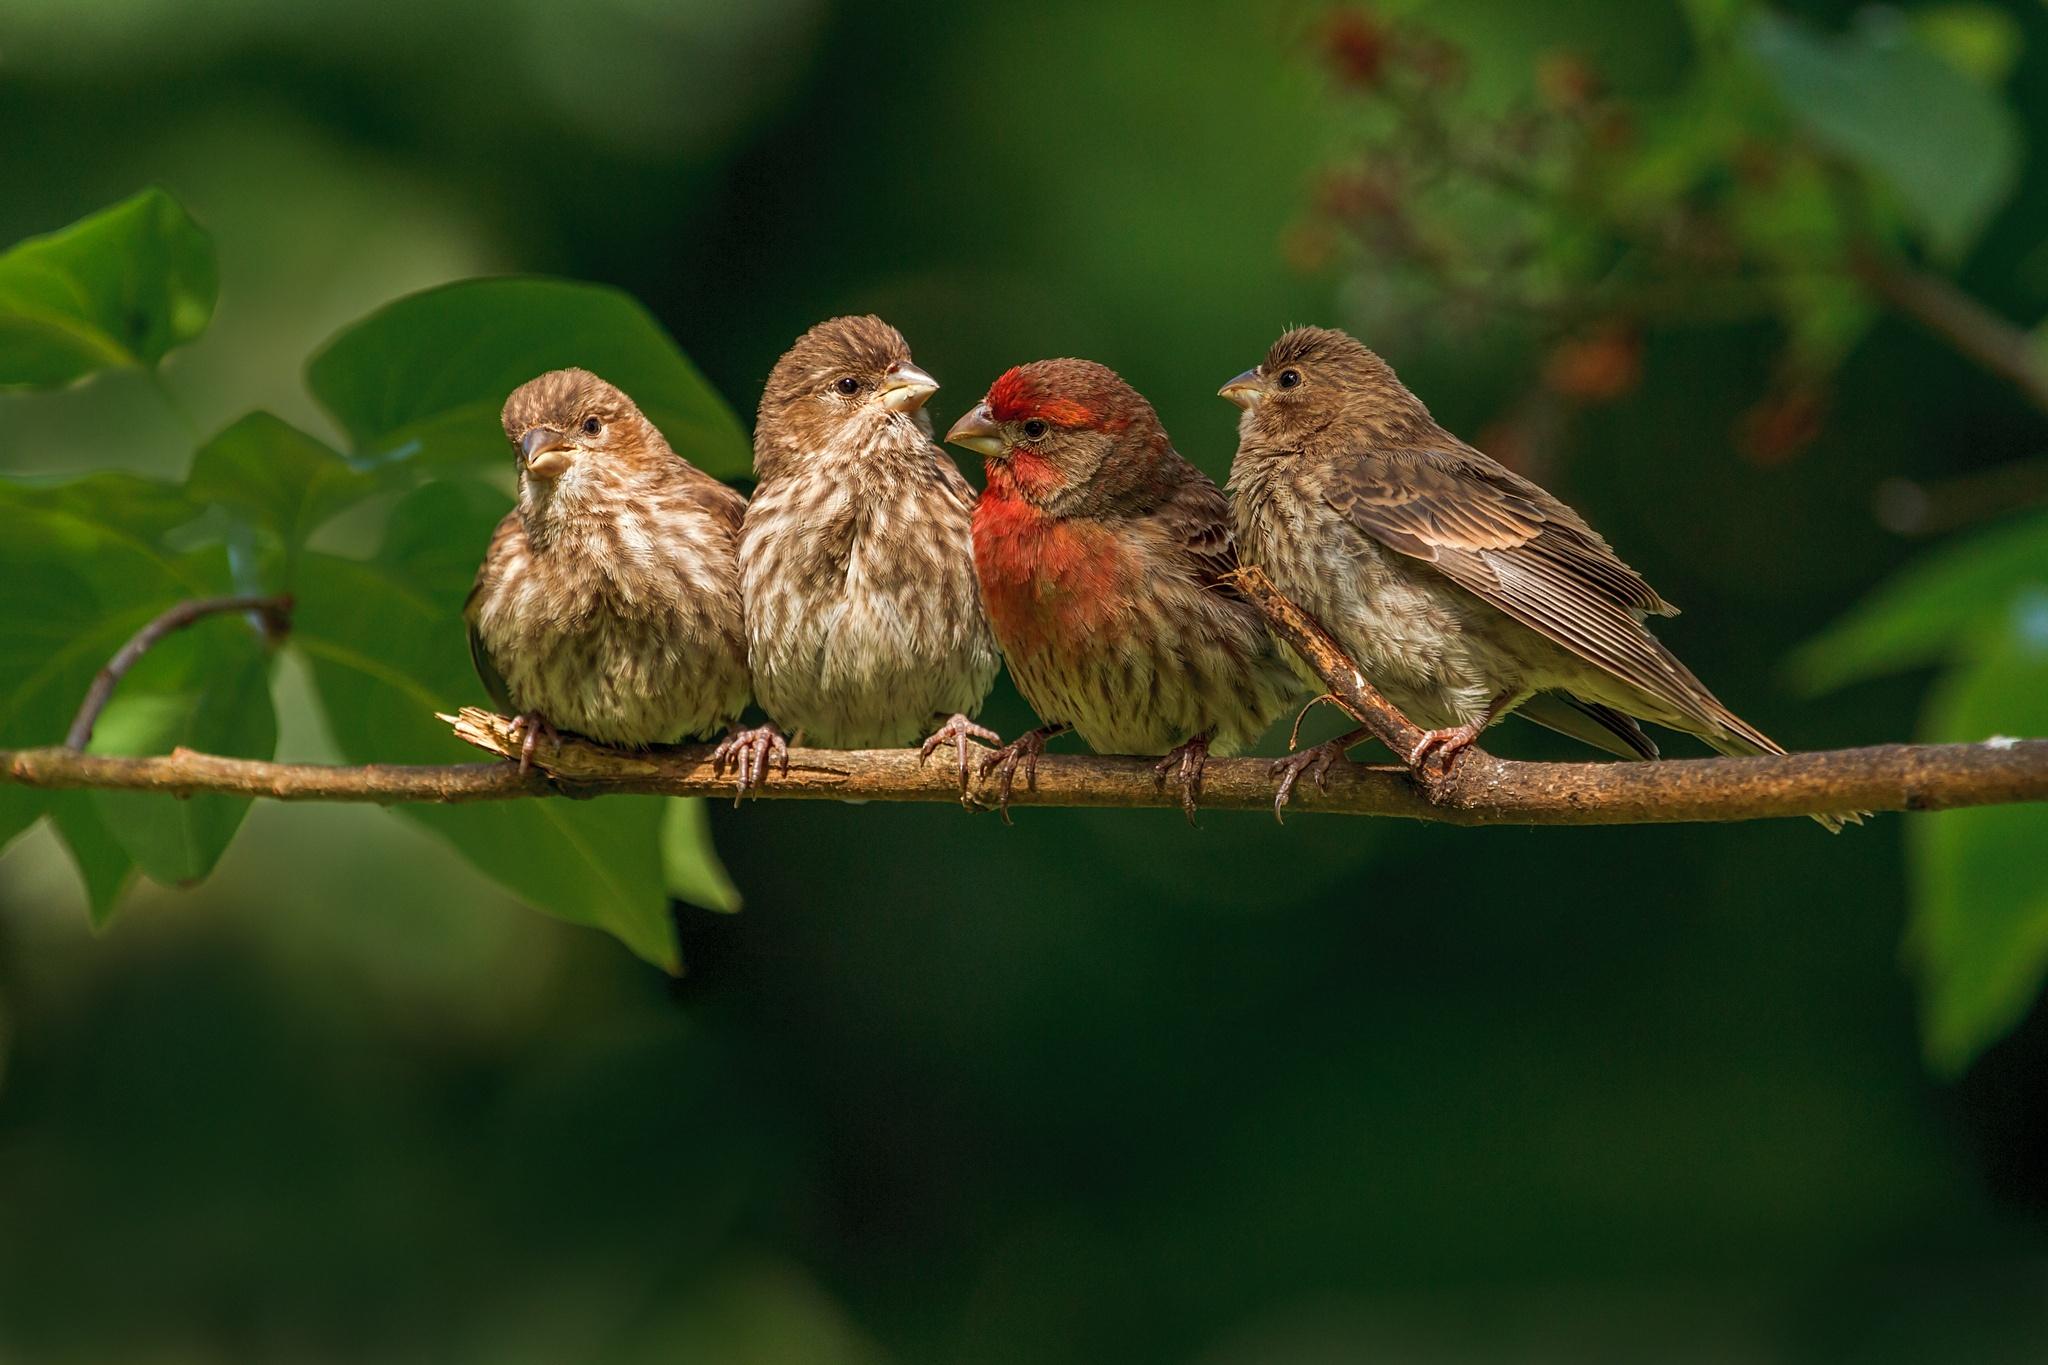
1947 146
82 567
690 864
1930 608
386 644
278 479
424 379
207 689
1979 933
117 290
103 865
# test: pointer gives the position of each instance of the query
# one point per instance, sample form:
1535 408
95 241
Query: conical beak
978 432
905 387
1245 390
545 451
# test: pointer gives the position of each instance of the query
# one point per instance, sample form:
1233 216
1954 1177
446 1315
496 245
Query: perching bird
1104 559
864 627
1464 591
608 603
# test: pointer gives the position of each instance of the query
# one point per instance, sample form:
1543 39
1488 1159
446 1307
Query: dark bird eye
848 385
1289 378
591 426
1034 429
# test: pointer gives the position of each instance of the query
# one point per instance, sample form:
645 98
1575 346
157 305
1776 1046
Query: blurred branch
1965 324
273 617
1481 790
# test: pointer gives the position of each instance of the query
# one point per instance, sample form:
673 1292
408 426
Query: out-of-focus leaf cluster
1567 216
415 391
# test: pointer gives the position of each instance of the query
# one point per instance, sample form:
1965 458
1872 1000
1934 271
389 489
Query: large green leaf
386 644
278 480
82 567
1926 611
117 290
207 689
1946 145
424 378
103 864
1980 918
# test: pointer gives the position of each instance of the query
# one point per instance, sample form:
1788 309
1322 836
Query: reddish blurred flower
1784 423
1356 44
1598 366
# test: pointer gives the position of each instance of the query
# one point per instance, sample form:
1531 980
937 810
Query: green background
1095 1087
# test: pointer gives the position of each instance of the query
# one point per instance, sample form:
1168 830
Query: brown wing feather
1513 545
1196 517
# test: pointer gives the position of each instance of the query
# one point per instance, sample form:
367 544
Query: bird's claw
750 754
1024 749
1315 762
1191 758
959 731
1445 745
528 728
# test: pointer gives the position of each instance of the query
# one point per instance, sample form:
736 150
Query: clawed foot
528 728
1191 758
750 753
1314 761
1444 745
961 732
1024 749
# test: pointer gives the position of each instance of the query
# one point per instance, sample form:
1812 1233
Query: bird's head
1314 377
846 380
1067 435
572 430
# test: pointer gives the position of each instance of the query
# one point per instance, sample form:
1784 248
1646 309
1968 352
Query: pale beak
546 452
978 432
905 387
1246 390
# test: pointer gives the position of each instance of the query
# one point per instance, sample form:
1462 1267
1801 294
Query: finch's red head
1070 435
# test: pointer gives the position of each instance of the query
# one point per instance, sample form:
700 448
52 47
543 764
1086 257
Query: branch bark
1482 790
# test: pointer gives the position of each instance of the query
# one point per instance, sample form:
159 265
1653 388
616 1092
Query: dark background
1095 1087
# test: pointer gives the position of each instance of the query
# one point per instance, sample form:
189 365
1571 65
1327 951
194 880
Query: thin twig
274 614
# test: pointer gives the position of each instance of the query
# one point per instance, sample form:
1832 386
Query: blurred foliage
1098 1086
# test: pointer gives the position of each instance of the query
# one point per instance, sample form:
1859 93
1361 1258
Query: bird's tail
1737 738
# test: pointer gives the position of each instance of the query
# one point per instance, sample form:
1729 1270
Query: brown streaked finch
608 604
864 626
1461 589
1104 559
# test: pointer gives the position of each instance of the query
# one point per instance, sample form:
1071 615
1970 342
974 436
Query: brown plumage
1103 558
608 603
863 624
1464 591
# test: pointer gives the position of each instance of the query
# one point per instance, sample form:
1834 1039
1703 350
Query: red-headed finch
1463 590
608 603
864 628
1103 558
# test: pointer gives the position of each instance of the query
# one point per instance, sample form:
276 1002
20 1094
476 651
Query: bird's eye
848 385
591 426
1289 378
1034 429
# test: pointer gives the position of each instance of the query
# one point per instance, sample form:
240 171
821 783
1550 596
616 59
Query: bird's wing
1194 518
493 680
486 671
1513 545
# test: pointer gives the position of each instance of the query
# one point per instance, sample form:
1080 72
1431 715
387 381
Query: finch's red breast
1047 581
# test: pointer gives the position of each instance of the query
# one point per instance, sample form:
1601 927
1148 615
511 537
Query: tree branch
274 614
1482 790
1965 324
